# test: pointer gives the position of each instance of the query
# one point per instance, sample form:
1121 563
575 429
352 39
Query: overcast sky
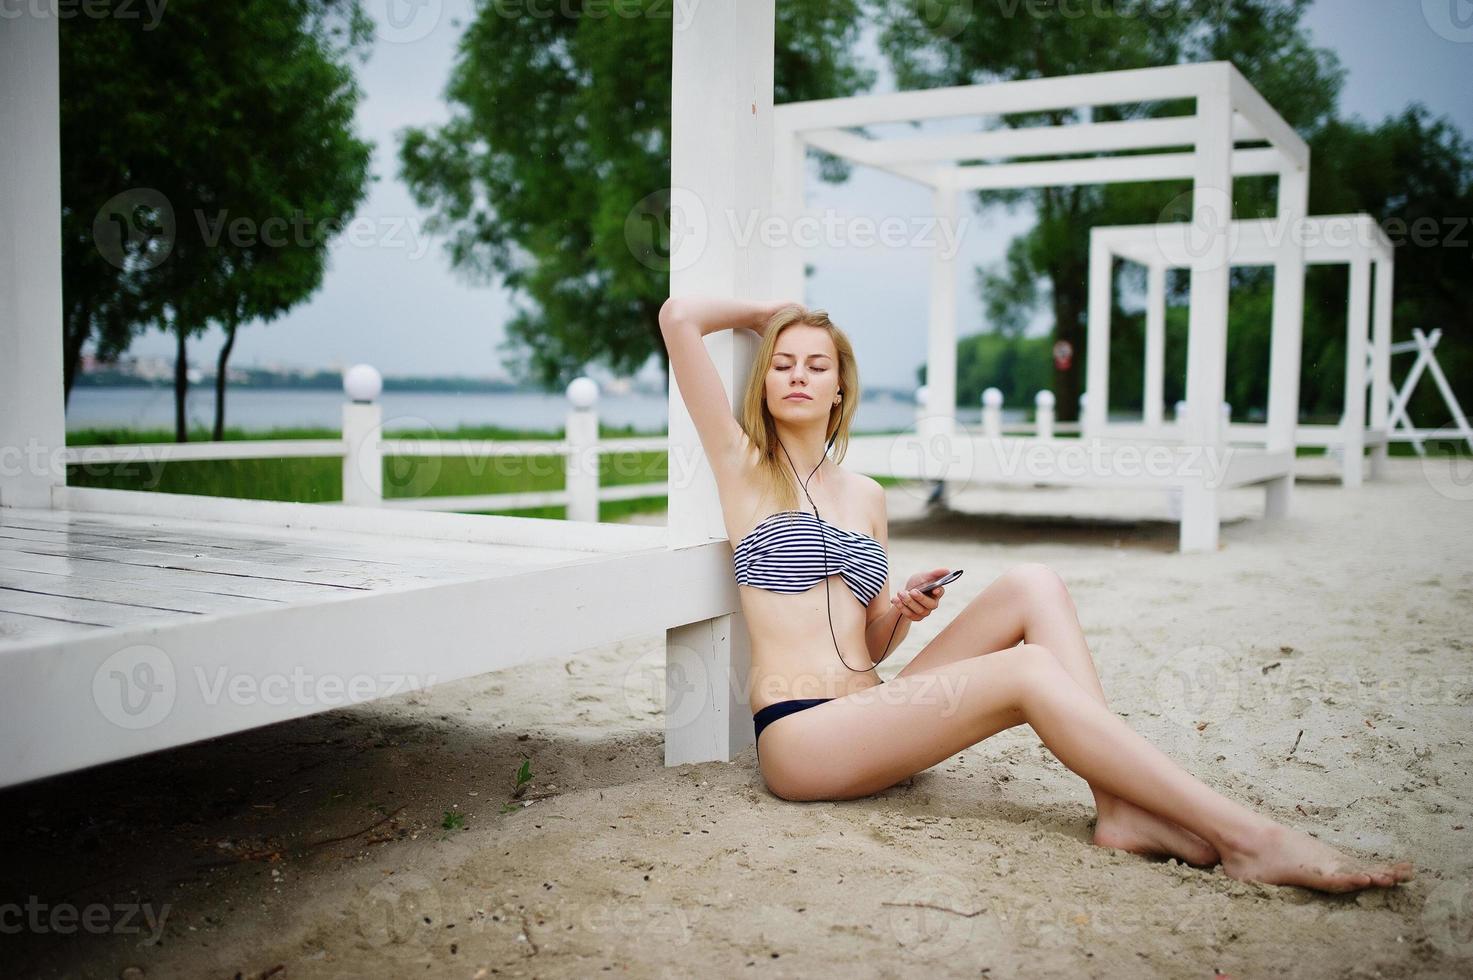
389 297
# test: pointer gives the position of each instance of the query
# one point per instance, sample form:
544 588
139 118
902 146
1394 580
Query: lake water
263 409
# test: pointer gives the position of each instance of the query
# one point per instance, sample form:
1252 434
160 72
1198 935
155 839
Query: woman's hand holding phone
914 603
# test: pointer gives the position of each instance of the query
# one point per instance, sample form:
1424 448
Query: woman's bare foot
1280 855
1131 828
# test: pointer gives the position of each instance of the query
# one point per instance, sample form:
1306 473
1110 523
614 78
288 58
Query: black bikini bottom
779 709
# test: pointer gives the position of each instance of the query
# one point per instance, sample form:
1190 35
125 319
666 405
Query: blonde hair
772 463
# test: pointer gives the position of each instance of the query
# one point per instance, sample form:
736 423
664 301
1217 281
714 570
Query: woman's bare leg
1030 603
861 743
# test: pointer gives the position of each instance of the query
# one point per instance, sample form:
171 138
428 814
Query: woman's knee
1038 668
1039 583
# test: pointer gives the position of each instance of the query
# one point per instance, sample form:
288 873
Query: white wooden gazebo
1233 132
1354 240
133 621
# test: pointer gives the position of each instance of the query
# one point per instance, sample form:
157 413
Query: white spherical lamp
362 382
582 392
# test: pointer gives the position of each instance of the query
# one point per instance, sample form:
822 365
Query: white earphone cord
828 605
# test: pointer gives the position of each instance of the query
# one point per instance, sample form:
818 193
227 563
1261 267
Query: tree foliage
559 144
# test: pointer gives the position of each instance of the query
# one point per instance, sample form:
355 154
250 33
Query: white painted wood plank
325 541
285 556
18 628
145 558
95 612
475 528
183 580
131 593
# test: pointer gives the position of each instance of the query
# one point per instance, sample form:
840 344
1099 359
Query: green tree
558 145
207 162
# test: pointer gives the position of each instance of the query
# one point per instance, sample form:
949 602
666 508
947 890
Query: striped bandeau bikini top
787 555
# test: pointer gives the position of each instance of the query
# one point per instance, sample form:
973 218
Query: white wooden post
32 413
992 413
789 195
941 345
1286 345
363 432
1043 413
581 463
1155 344
1353 422
721 158
1381 365
1097 340
1212 185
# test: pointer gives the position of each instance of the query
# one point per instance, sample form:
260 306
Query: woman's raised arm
684 321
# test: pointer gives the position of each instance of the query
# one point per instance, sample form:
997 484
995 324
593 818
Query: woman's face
804 362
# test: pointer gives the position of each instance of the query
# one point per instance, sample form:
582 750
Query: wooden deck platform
158 623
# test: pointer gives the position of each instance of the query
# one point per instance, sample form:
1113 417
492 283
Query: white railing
363 450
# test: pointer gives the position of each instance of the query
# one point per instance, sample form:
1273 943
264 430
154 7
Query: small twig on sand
258 855
1296 744
938 908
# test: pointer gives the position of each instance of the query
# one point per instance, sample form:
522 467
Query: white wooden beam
1024 95
1030 141
1253 106
1107 170
32 413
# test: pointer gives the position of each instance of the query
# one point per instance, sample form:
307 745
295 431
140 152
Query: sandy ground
1328 655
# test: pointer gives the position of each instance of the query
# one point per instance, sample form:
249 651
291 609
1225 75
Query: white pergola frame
471 593
1228 110
1355 240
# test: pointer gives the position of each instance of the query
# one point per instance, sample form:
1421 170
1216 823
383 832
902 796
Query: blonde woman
827 727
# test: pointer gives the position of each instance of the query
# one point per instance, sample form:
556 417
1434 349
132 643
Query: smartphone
937 583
